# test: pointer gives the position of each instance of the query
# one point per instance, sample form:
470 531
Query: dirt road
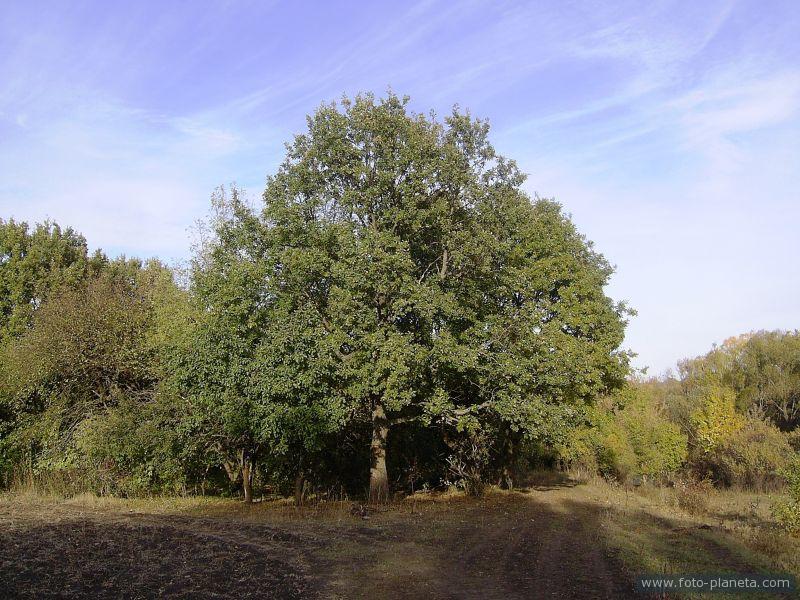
513 546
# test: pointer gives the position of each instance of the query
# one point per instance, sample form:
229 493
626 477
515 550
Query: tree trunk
507 477
378 476
299 484
247 476
233 470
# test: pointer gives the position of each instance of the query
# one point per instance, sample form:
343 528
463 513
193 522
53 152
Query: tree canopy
434 289
32 264
761 370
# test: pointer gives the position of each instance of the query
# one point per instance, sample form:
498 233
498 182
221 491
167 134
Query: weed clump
693 495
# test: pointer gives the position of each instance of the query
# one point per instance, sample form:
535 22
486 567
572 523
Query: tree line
729 417
395 293
395 313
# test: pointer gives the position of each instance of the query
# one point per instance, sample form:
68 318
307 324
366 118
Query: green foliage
132 450
436 290
753 456
722 398
599 446
33 263
85 345
793 438
659 446
86 354
788 512
255 378
396 273
761 368
733 449
715 419
395 291
626 436
396 303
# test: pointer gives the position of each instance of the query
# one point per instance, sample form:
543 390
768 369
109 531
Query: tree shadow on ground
503 546
664 545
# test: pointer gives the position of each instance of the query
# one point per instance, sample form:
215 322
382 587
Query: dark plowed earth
93 558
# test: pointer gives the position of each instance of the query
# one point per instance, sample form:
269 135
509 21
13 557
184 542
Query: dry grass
657 531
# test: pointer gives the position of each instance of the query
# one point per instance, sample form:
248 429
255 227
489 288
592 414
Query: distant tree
715 419
669 396
213 367
660 447
33 263
761 368
770 376
624 436
753 456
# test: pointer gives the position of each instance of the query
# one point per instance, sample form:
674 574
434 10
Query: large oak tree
434 288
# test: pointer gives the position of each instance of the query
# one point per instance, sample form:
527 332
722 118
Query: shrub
625 437
754 456
716 419
659 446
599 447
467 464
136 448
794 439
787 513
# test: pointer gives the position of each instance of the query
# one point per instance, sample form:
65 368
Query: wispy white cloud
733 104
132 181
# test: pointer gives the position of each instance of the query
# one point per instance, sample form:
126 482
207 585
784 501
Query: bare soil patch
112 556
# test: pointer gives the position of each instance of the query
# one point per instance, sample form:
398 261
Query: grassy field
554 539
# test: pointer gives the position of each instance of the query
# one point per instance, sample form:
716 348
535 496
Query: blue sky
669 130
